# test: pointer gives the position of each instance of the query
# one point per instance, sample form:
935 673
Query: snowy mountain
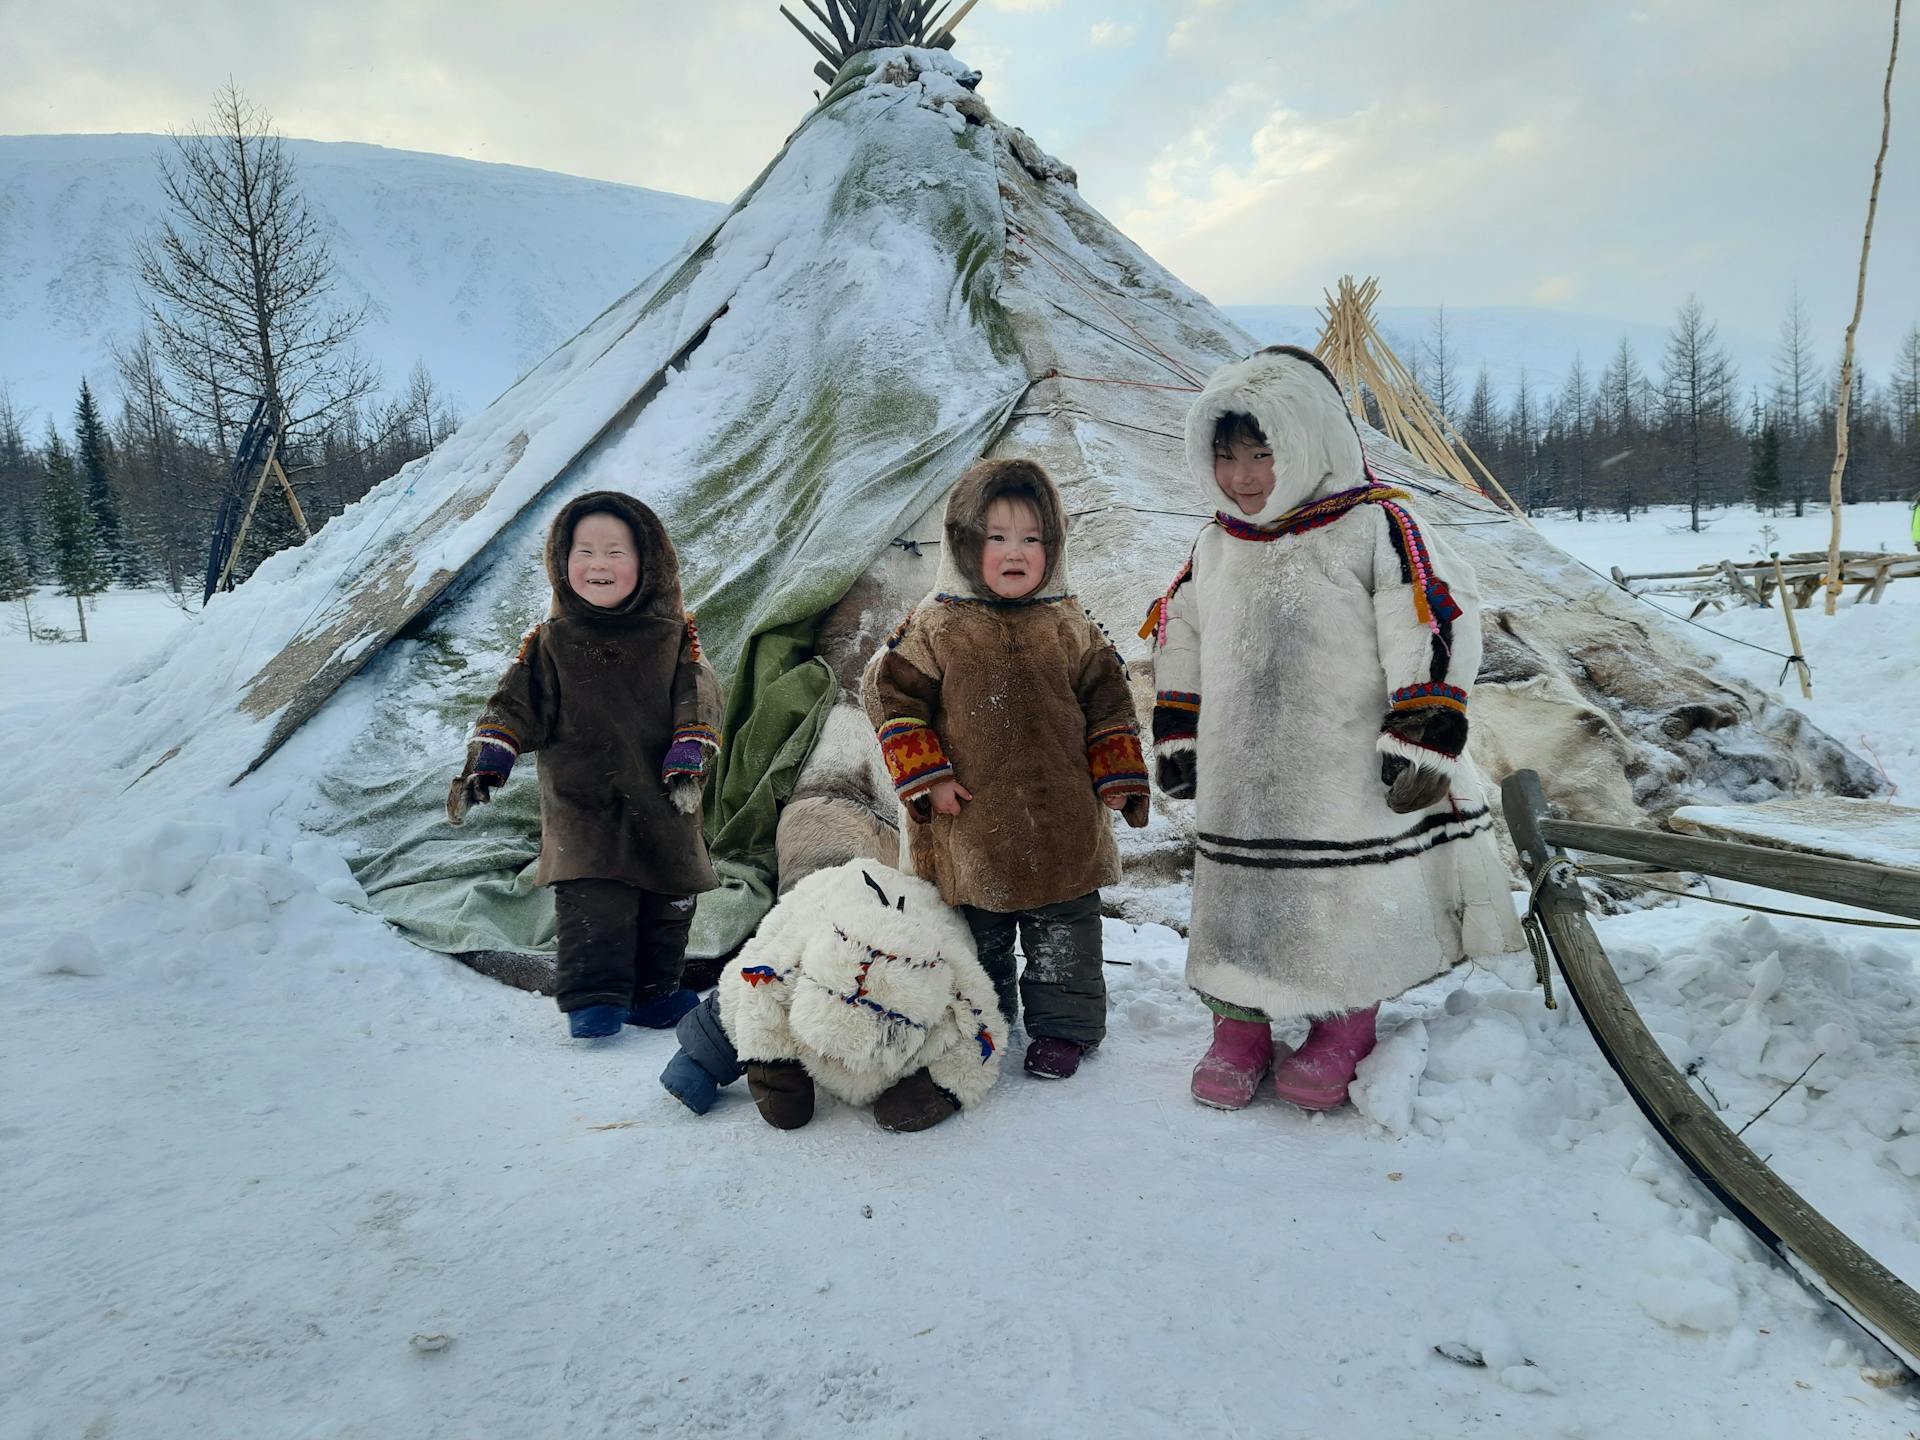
479 270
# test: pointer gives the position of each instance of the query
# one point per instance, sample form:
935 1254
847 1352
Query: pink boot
1316 1076
1230 1071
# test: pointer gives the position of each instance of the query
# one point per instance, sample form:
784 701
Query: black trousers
618 945
1062 989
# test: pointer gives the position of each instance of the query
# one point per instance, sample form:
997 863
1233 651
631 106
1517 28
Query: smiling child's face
602 565
1014 559
1243 469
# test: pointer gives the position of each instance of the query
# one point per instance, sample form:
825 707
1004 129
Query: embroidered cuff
1433 695
1176 719
915 760
1113 755
493 751
692 747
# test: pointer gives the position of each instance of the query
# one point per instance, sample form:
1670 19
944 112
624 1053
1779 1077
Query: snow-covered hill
480 270
477 269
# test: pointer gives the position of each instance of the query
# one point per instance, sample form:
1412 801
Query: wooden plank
1833 825
1819 877
1772 1210
1740 586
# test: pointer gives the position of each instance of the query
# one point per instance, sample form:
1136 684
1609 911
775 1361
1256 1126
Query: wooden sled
1859 1286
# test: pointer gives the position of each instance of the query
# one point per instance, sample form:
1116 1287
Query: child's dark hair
1236 427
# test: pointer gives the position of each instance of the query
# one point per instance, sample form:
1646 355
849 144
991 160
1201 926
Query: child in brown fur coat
1009 731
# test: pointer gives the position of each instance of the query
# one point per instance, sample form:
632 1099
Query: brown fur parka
1025 703
603 694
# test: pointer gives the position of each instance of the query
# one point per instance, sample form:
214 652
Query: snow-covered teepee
910 284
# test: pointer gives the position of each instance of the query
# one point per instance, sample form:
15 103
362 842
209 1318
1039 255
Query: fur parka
1024 702
1307 654
863 976
620 703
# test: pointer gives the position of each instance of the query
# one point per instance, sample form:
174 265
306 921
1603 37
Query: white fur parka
862 975
1301 645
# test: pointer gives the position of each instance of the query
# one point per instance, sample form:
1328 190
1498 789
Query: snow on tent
910 284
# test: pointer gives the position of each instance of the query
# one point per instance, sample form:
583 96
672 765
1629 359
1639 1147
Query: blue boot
664 1012
688 1082
595 1022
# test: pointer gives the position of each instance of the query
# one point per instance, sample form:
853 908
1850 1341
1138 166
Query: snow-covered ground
270 1171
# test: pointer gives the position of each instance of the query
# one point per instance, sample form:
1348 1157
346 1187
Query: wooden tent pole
1793 630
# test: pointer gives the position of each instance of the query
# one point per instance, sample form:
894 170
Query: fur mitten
489 763
685 766
1176 772
784 1092
912 1103
1419 751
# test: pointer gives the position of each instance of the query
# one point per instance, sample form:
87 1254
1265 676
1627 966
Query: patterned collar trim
1310 516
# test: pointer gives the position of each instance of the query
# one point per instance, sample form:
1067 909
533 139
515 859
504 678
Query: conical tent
909 285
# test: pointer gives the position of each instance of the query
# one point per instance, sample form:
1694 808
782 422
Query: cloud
1107 35
1484 154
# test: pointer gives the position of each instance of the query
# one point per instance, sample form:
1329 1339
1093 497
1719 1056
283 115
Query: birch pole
1859 302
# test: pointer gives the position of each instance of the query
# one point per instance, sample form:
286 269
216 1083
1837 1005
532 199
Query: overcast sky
1601 157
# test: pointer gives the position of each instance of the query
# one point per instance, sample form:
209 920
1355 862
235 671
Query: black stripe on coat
1420 827
1334 862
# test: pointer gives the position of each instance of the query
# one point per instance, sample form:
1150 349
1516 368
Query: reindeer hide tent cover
910 284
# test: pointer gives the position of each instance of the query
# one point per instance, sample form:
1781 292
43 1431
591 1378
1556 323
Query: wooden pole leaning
1811 1245
1796 661
246 520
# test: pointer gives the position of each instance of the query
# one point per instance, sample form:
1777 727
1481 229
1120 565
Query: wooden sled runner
1859 1286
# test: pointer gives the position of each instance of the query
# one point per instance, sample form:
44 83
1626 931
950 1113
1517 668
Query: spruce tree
1763 473
15 583
92 453
79 567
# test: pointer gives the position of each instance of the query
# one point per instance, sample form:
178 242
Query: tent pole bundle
1365 364
852 26
255 462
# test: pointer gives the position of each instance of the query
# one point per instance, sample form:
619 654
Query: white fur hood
1297 405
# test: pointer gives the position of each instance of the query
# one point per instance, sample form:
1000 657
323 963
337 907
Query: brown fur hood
657 592
966 528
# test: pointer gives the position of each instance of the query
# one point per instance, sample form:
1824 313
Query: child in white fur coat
1314 665
860 982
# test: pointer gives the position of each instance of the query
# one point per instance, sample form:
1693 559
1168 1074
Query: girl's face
1243 469
1014 560
602 566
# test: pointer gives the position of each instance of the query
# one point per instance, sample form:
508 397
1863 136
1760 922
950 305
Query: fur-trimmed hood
657 591
966 529
1297 404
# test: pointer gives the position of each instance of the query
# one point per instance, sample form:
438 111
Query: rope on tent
1178 368
1106 380
1119 340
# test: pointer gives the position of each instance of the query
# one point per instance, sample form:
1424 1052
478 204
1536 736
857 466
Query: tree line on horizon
1695 434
